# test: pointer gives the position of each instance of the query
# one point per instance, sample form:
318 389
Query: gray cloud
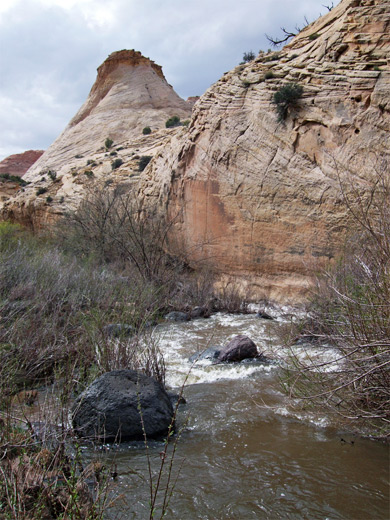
49 54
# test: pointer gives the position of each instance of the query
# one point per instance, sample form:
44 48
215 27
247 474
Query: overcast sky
50 50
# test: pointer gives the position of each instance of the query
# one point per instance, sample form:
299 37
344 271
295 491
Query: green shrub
248 56
113 153
172 121
269 75
147 130
88 173
52 174
13 178
313 36
41 191
286 98
78 156
108 143
115 164
49 199
186 122
143 162
246 84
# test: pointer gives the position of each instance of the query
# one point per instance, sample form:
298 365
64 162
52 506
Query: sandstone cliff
262 198
129 94
19 163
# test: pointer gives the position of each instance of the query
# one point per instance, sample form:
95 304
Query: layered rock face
129 94
261 198
19 163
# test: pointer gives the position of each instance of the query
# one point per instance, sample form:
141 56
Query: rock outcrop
129 94
19 163
261 198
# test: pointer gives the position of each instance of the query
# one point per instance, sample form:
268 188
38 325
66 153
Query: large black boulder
109 409
239 348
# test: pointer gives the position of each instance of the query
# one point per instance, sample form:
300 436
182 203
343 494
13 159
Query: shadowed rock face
264 197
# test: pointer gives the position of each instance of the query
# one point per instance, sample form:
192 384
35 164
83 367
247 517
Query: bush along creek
140 391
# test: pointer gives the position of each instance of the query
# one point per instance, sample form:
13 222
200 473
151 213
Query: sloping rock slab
108 409
239 348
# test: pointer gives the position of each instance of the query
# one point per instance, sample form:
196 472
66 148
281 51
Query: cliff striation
262 198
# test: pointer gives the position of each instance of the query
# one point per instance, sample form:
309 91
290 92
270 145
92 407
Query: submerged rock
211 353
108 409
239 348
264 315
200 312
176 399
177 316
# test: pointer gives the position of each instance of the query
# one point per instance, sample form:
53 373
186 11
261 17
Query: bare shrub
351 311
111 226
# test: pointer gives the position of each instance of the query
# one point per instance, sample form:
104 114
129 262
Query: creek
244 452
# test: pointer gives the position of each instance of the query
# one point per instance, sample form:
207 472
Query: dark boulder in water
109 409
239 348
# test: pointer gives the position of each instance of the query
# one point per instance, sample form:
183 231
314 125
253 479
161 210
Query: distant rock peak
108 74
124 57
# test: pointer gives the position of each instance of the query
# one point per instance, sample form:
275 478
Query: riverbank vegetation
350 311
73 305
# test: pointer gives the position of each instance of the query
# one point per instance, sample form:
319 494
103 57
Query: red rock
19 163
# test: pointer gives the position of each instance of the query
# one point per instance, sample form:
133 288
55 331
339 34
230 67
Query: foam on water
179 341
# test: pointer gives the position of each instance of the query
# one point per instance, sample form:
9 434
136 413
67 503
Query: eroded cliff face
129 94
260 198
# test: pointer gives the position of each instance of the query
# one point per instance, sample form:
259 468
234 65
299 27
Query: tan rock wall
261 198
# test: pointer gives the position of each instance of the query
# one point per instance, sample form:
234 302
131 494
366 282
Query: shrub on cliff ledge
248 56
286 98
115 164
172 121
143 162
108 143
147 130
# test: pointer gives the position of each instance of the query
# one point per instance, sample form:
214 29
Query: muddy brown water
244 454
